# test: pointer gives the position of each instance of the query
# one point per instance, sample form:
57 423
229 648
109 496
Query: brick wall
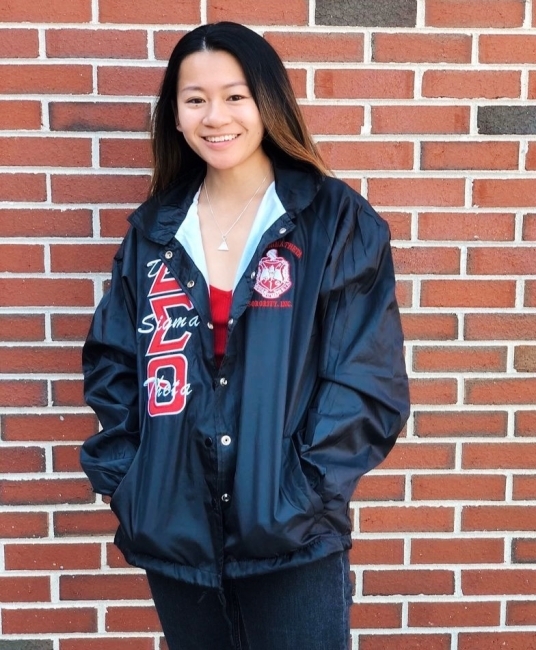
427 107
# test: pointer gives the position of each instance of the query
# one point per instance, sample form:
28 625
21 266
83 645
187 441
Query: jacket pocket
296 485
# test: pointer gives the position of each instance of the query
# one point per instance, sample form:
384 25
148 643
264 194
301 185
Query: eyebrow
194 87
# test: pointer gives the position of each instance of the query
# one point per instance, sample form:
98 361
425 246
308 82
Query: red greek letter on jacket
167 372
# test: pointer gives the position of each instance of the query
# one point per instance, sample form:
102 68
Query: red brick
530 164
19 258
404 293
497 641
532 82
421 48
420 119
23 393
129 80
67 393
530 293
507 518
96 43
380 519
502 455
468 293
56 620
15 525
525 423
501 261
399 224
525 358
51 557
460 423
298 81
132 619
454 614
490 582
500 391
48 427
70 327
165 42
22 459
15 43
453 226
20 114
474 13
380 488
418 455
44 359
116 152
322 47
405 642
99 116
505 327
524 550
37 222
364 84
337 120
433 391
419 259
459 359
407 582
367 155
46 79
470 155
104 587
114 557
66 458
440 192
429 327
45 152
524 488
464 487
24 590
45 491
45 292
521 612
376 615
50 11
23 187
501 48
113 643
156 12
99 188
80 258
377 551
457 551
471 83
504 193
77 524
291 12
22 327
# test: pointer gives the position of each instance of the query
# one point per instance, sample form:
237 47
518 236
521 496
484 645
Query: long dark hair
267 79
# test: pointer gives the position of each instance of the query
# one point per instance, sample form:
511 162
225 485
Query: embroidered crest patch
273 275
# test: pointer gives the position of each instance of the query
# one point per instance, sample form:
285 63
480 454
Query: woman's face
216 112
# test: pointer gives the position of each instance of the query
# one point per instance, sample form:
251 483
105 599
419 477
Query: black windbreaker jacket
247 468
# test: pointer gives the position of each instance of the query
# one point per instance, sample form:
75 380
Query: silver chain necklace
224 246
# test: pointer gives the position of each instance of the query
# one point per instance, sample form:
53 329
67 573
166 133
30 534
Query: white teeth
221 138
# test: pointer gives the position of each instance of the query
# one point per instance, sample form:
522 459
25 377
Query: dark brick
367 13
497 120
27 644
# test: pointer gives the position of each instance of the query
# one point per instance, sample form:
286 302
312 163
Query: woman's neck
238 184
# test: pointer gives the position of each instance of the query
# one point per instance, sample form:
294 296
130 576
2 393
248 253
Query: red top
220 306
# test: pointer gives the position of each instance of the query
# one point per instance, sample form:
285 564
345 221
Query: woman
246 364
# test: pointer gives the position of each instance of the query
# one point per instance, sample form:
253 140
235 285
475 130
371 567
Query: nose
217 114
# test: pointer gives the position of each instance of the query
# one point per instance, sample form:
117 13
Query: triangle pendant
223 246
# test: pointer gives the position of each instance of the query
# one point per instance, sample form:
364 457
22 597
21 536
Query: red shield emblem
273 275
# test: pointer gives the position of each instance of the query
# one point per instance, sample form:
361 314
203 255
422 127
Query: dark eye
236 98
194 100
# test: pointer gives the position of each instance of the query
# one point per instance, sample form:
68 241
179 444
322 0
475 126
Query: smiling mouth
220 138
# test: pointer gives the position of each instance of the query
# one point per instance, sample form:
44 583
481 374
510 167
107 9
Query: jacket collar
159 218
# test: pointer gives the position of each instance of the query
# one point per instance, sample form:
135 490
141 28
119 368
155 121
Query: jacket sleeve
362 401
111 386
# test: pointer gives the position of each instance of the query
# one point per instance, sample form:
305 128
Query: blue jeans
303 608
